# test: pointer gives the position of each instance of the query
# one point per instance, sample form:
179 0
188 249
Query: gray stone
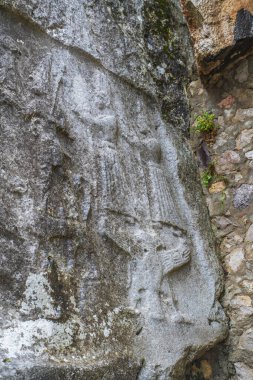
108 268
243 114
235 260
249 234
226 161
244 139
243 371
249 155
246 340
247 286
243 196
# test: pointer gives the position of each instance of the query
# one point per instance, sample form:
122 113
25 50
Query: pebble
221 140
249 155
235 260
231 156
244 139
222 222
226 161
238 177
227 102
242 300
217 187
243 196
246 341
243 114
247 286
249 234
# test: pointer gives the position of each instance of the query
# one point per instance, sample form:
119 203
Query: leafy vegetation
207 177
205 123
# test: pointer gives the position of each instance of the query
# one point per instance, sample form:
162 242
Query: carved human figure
165 247
155 238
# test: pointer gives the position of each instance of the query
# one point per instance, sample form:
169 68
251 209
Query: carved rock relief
109 263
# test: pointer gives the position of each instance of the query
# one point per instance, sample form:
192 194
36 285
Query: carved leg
177 316
145 296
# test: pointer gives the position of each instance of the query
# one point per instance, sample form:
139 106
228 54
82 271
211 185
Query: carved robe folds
154 239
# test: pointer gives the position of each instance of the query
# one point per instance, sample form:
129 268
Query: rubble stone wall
229 196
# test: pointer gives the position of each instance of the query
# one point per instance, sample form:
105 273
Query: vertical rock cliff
108 269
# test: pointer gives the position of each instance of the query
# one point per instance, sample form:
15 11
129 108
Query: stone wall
228 155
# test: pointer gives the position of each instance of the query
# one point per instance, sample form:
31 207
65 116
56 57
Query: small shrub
205 123
207 177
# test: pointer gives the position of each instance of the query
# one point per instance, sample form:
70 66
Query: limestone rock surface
108 269
221 31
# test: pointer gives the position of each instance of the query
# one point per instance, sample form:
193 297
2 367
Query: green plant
205 122
207 177
6 360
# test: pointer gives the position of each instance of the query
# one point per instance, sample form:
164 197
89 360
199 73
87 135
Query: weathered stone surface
243 196
217 187
242 301
249 234
243 114
226 161
107 268
249 155
244 139
247 286
242 72
243 372
221 31
227 103
235 260
246 340
144 42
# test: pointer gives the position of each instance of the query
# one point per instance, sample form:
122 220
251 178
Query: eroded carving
155 239
100 257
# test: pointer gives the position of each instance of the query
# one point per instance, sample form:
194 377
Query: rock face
222 31
108 268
